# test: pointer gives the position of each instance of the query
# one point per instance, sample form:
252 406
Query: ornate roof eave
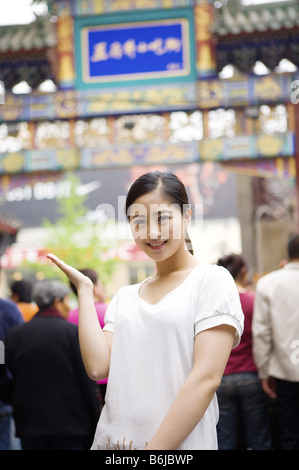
267 33
234 18
28 52
40 34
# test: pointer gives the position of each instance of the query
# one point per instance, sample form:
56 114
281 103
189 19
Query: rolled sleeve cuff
217 320
109 327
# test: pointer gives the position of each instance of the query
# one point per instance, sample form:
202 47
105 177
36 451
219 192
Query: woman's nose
153 230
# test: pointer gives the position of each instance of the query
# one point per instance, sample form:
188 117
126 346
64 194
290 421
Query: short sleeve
110 314
218 302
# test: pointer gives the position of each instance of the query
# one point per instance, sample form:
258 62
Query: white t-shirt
152 355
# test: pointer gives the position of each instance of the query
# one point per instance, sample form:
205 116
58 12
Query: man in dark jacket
55 403
10 316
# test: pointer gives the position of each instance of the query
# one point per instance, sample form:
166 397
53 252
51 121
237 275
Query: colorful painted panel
204 94
267 167
140 50
117 156
98 7
248 147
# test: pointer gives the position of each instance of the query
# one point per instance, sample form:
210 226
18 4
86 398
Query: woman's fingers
74 276
61 264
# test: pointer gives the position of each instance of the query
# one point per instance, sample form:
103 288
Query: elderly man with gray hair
55 403
52 294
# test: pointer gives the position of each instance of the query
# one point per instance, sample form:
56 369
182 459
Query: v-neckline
168 293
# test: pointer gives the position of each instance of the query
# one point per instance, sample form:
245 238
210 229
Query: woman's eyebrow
162 211
142 216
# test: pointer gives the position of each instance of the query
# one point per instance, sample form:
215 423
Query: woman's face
158 226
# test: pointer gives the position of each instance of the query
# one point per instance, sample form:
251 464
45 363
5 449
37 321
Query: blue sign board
135 51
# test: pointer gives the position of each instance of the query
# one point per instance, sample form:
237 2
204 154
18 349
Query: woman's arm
95 344
211 352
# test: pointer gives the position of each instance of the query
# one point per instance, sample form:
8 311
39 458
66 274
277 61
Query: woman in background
242 402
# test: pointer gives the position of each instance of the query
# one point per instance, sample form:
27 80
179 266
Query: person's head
293 248
237 266
52 293
21 291
158 210
98 290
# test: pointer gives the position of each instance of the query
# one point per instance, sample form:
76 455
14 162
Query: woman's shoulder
213 278
212 272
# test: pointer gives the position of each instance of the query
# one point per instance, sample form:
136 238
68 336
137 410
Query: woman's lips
156 245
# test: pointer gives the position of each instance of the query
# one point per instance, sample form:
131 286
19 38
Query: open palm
77 278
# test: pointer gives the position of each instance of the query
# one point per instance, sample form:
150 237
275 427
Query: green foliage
73 239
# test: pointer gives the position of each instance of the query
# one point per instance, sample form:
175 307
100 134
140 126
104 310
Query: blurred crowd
259 393
47 401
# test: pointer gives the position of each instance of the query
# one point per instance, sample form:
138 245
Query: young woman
166 341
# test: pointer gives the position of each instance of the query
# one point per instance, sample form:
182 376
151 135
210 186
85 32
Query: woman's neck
241 288
180 261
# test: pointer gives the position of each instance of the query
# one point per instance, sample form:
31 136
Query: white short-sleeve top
152 355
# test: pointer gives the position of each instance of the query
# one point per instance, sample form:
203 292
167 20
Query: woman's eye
138 222
164 218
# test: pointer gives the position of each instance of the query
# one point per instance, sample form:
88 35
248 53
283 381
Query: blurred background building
110 89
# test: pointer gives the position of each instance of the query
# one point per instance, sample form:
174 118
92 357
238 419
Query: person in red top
243 408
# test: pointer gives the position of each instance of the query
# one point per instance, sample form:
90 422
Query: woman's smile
156 245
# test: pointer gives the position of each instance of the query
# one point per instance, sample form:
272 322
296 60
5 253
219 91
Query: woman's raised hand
94 344
77 278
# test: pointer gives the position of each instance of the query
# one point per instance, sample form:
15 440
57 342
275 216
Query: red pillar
205 47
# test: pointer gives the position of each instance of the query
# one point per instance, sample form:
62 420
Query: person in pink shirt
242 402
100 305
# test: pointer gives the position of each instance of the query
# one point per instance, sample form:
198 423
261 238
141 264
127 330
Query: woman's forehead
153 197
153 203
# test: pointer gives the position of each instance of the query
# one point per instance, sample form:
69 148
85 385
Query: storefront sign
144 49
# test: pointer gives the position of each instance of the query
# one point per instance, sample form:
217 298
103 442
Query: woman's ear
187 220
187 216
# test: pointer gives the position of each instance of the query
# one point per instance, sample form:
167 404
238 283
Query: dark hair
293 247
233 263
170 186
23 289
93 275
